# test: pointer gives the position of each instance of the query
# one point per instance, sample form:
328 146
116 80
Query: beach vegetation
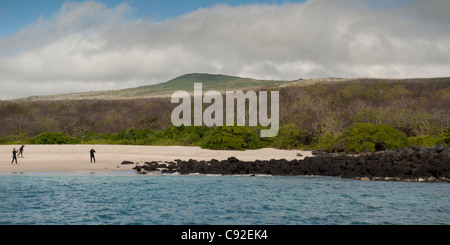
427 140
446 136
233 138
53 138
291 137
364 137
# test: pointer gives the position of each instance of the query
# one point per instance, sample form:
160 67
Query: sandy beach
75 158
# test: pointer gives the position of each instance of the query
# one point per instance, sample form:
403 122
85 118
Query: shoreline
160 173
75 158
414 164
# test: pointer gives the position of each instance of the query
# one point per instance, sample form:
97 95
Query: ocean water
125 198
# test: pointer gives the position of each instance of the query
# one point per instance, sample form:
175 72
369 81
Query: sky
54 46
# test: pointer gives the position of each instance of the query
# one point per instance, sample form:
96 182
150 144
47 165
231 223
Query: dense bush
90 137
188 136
132 136
53 138
363 137
425 140
357 138
446 136
233 138
10 139
290 137
183 135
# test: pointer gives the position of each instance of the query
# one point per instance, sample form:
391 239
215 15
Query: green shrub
53 138
10 139
233 138
90 137
134 136
182 135
327 142
446 136
429 140
424 140
171 136
362 137
290 137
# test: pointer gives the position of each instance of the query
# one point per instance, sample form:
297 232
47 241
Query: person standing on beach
21 151
92 154
14 156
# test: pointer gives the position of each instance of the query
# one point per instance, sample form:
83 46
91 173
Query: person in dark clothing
21 151
92 154
14 156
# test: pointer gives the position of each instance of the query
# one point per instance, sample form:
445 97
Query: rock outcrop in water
412 164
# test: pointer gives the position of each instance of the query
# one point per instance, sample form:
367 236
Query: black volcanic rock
233 159
412 164
318 152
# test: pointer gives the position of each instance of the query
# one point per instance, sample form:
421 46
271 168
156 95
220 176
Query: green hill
184 82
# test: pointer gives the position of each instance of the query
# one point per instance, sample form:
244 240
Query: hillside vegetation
185 83
354 115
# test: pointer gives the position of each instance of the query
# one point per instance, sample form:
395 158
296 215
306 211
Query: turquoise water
130 199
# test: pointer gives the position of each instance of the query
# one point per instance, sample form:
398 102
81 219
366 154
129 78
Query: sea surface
125 198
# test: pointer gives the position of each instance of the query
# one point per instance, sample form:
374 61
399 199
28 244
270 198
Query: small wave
171 174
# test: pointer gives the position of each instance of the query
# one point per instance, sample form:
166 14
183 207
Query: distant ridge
186 82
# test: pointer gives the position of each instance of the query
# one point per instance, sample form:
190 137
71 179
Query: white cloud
88 46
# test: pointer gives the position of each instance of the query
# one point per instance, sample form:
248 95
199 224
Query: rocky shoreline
411 164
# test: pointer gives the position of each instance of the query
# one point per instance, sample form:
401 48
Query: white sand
75 158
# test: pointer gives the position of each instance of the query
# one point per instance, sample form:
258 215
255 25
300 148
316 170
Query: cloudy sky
56 46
